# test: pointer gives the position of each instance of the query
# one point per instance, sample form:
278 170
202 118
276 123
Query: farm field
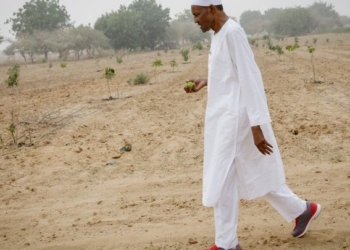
69 187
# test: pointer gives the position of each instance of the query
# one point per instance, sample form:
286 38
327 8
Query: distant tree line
80 40
42 27
317 18
183 29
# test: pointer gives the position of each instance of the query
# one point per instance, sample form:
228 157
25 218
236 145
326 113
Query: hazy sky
88 11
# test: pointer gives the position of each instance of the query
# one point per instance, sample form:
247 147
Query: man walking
241 156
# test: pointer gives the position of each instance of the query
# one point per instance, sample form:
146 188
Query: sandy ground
73 189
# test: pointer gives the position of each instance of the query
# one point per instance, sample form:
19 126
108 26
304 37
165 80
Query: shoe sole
318 211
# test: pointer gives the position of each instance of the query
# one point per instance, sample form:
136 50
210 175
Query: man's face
203 16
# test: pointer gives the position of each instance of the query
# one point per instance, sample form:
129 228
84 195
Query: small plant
166 51
13 75
311 51
268 42
63 65
279 51
141 78
50 65
173 64
12 130
109 74
158 54
327 40
197 46
314 41
291 48
185 54
119 59
157 63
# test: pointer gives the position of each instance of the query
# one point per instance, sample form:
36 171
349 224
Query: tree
63 42
1 39
81 39
89 40
344 20
42 42
252 22
38 43
40 15
184 16
269 16
325 16
142 24
122 28
9 51
183 29
186 32
293 22
154 19
26 46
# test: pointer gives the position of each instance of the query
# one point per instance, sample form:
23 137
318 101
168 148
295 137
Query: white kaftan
236 102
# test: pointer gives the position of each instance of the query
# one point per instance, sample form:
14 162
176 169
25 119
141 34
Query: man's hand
198 85
260 142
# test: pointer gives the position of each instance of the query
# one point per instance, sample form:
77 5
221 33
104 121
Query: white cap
206 2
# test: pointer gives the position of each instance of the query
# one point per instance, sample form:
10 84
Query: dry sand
61 194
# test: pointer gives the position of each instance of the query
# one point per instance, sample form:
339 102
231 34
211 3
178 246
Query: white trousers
288 204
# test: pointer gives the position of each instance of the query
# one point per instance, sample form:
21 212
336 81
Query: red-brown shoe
238 247
303 222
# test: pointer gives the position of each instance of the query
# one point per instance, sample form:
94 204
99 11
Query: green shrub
185 54
141 78
119 59
109 74
197 46
173 64
13 75
63 64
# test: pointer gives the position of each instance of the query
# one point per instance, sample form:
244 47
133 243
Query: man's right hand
198 85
